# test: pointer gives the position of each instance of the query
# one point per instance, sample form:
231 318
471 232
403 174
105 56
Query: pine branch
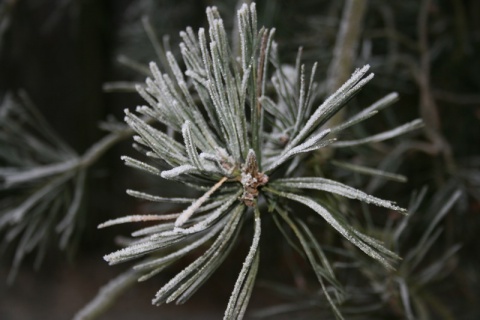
237 155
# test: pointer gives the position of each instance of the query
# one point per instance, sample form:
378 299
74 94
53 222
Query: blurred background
75 62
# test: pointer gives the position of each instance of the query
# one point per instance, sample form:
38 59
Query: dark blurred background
63 52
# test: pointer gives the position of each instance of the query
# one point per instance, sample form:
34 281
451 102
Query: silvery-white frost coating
177 171
353 121
345 231
203 224
146 196
378 105
182 251
159 228
187 213
138 218
130 251
221 241
140 165
410 126
247 266
190 146
332 102
336 187
307 146
220 107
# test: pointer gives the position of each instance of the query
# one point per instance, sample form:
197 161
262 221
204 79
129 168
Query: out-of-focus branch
428 106
86 160
107 295
346 45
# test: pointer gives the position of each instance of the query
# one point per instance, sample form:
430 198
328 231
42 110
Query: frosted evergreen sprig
232 139
42 182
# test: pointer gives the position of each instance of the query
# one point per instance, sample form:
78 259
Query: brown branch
348 36
346 44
